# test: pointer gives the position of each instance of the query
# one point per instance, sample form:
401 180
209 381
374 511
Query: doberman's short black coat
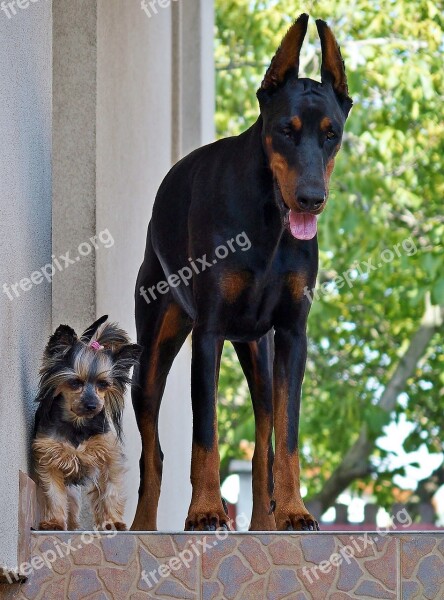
268 184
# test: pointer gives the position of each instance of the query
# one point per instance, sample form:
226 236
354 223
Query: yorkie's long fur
81 393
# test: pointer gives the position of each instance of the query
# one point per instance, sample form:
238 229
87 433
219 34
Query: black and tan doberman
231 251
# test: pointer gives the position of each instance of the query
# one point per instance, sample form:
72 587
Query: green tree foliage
383 226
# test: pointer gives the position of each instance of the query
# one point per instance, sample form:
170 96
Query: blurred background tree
374 385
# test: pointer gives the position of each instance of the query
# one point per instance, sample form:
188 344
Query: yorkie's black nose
91 406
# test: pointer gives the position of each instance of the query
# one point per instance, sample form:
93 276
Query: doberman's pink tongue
303 226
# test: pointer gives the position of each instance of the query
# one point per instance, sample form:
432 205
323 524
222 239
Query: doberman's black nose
309 203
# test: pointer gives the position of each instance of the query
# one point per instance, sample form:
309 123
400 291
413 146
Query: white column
25 243
74 159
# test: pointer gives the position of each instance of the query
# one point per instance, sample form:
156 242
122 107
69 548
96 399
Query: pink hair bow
96 346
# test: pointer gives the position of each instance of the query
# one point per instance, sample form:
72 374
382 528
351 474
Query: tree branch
428 486
356 463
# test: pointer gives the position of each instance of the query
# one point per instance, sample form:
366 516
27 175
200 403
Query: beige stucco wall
25 241
125 89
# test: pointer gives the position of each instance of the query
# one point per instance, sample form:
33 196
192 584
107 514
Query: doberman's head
303 121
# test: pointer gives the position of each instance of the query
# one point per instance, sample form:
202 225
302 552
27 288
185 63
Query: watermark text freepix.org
363 268
356 545
61 263
59 550
195 548
10 8
151 7
197 266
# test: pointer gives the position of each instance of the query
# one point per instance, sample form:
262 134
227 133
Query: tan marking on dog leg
146 513
206 508
169 328
145 519
261 519
290 508
206 503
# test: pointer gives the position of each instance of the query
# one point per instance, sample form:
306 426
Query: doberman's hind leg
256 359
206 512
162 327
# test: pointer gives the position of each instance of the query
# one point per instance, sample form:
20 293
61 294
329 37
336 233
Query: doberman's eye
288 132
331 135
75 384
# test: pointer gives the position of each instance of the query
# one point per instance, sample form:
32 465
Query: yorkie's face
86 382
87 374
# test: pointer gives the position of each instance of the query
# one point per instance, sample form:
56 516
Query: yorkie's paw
115 526
51 526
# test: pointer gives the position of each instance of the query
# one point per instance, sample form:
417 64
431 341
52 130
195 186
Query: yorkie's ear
128 354
63 338
124 357
91 330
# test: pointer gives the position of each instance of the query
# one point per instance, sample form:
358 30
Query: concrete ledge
210 566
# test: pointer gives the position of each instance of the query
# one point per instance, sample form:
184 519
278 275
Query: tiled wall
295 566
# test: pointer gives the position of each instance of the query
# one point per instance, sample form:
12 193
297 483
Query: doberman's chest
253 304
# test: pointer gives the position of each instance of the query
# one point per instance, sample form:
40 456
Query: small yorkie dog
81 392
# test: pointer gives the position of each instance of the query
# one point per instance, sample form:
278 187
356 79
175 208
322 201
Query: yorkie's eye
103 385
75 384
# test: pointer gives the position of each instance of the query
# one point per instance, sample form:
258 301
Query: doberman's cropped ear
61 340
332 67
286 59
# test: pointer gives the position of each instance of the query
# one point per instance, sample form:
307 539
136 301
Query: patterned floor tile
106 567
422 567
222 566
300 566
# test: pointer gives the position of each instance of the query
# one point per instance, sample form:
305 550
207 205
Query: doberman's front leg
206 510
288 372
256 360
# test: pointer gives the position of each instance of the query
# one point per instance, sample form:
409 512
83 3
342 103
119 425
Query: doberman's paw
207 521
51 526
296 522
262 522
262 525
